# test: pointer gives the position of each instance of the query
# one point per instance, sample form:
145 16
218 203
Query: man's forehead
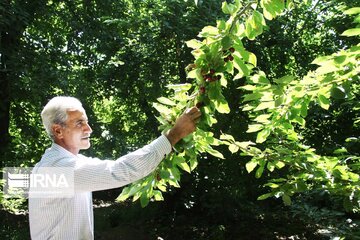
76 114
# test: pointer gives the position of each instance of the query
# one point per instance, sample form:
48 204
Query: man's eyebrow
81 120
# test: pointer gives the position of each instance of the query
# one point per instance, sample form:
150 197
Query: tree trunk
5 50
11 31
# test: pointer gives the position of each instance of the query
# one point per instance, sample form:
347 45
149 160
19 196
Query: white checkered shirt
72 218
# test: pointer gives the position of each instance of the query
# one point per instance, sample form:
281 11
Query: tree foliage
276 107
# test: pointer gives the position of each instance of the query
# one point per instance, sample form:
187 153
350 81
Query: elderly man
66 122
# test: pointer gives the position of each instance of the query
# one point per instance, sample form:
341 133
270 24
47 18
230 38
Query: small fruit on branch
200 104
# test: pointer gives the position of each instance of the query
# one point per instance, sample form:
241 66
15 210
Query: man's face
75 135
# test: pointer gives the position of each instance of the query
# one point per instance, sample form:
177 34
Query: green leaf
227 137
264 118
285 80
248 87
272 185
162 109
351 11
286 199
174 183
193 163
272 8
144 199
259 19
299 120
320 60
158 195
241 67
226 42
233 148
323 101
265 196
184 166
340 151
327 68
340 60
252 96
215 153
351 32
261 136
166 101
304 109
252 59
164 174
245 144
222 106
194 44
261 168
249 31
279 164
250 166
209 31
254 128
124 195
177 87
338 92
265 105
270 166
228 8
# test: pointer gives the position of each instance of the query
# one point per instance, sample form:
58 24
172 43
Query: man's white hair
55 111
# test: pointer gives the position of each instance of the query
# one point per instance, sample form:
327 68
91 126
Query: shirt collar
62 150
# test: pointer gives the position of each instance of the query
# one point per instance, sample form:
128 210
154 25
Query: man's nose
88 128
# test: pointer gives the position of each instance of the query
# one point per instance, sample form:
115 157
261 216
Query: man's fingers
194 113
191 110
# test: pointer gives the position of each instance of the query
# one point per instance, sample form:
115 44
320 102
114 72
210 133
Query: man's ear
57 131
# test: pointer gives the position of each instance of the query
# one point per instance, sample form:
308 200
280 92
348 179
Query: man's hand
184 125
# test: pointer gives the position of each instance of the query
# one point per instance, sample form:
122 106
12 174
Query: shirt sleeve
93 174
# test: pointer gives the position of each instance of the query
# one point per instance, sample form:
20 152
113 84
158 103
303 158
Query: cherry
230 57
158 177
202 90
226 59
207 77
212 71
232 49
199 104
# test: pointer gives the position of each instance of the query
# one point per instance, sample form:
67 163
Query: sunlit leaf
265 105
166 101
262 136
209 31
261 168
351 32
351 11
215 153
183 87
233 148
158 195
323 101
265 196
250 166
254 128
